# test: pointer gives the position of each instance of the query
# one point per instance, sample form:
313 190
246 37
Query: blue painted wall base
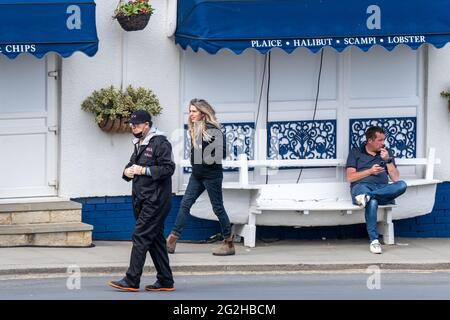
113 219
434 224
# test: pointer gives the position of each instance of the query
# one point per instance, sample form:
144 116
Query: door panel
27 111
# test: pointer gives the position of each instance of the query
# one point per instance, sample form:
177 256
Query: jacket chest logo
148 153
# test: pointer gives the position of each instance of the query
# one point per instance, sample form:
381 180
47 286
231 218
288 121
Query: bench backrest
244 164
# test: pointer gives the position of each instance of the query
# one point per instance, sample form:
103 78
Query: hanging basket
115 125
134 22
124 125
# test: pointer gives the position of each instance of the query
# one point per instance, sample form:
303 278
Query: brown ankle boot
171 243
226 249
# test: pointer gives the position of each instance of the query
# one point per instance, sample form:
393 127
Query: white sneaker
362 200
375 247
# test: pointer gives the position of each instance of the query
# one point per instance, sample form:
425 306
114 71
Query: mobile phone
382 163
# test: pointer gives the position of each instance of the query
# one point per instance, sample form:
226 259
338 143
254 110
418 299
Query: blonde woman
207 152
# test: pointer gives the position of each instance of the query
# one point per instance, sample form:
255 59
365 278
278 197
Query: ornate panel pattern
302 139
239 138
400 134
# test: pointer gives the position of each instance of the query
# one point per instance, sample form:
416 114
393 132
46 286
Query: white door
28 122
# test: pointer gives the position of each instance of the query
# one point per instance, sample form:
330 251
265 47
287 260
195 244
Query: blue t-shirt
359 159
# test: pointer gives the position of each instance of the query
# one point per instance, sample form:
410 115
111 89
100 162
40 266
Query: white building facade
51 148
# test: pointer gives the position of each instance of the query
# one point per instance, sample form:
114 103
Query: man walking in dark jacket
150 168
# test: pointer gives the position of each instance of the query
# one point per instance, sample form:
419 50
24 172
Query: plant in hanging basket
134 14
112 107
446 94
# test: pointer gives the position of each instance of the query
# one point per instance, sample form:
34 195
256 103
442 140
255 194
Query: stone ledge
40 217
40 206
51 239
45 228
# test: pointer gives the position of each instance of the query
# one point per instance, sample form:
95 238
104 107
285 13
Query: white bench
308 199
313 204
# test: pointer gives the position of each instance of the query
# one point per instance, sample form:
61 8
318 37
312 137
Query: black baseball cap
140 116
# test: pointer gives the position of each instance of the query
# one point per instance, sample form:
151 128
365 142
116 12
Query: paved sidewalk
293 255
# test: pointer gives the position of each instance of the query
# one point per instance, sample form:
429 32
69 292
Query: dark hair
371 132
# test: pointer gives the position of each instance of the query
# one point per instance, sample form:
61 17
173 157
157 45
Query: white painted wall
354 84
91 160
438 112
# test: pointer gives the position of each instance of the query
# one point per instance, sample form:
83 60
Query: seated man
368 169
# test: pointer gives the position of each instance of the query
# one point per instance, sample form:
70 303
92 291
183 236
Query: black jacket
157 155
204 163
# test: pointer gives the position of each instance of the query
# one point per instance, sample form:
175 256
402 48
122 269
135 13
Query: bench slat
276 205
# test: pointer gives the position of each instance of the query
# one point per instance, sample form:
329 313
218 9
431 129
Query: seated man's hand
384 154
376 169
129 172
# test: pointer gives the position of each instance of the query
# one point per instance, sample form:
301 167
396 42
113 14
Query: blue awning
313 24
41 26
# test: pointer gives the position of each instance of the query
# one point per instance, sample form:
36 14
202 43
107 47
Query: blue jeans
380 194
194 189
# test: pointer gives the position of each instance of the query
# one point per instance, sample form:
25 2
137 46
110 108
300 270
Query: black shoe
157 286
123 285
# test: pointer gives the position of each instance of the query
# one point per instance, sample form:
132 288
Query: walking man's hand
129 172
137 170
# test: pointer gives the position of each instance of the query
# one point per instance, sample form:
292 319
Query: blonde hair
199 129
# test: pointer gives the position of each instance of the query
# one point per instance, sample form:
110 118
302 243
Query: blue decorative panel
400 134
302 139
187 148
239 138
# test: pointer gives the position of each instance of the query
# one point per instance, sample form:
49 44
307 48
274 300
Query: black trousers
148 236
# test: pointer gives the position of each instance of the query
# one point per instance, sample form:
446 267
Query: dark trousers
194 189
148 236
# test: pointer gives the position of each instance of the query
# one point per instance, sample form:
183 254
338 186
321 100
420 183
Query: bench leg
248 231
386 227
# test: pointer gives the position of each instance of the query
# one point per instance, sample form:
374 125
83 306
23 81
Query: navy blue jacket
156 153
